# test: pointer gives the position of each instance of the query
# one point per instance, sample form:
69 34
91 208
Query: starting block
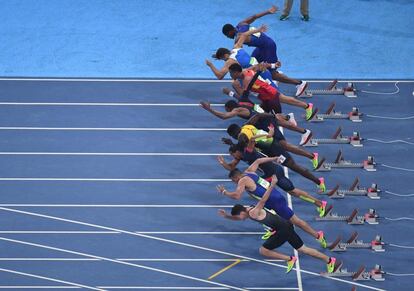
337 138
368 165
377 245
376 274
348 91
354 115
355 190
371 217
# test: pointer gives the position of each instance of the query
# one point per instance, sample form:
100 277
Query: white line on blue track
111 128
106 154
101 104
111 179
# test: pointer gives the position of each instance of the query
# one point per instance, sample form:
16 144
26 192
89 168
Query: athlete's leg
299 193
291 164
296 150
286 124
292 101
272 254
304 225
313 253
284 79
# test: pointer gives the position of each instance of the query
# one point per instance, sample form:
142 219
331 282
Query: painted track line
106 154
138 232
119 262
185 244
109 128
112 179
127 260
104 104
121 205
143 288
141 80
50 279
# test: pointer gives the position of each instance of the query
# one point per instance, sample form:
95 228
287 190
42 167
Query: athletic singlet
258 39
273 221
261 186
250 131
243 58
266 90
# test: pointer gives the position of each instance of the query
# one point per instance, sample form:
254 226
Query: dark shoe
305 18
284 17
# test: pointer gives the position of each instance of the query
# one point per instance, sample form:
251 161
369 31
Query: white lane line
119 262
110 128
290 204
120 205
103 104
139 232
112 179
128 260
106 154
184 244
176 80
50 279
145 288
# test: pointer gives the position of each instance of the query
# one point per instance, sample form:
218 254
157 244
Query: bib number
263 183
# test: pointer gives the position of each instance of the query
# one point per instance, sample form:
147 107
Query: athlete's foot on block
330 266
301 88
309 112
292 119
305 137
284 17
322 209
315 160
321 161
322 186
291 264
321 239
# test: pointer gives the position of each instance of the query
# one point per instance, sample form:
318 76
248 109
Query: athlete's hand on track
205 105
220 188
222 212
263 28
273 9
227 141
220 159
226 91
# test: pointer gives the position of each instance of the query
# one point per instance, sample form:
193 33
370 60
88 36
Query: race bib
263 183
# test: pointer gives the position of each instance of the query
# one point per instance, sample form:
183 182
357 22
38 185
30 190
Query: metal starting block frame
376 274
377 245
355 190
371 217
337 138
354 115
368 165
348 91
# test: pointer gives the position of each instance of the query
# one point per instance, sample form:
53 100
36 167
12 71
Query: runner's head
230 105
235 71
234 130
236 151
235 175
222 54
240 211
229 30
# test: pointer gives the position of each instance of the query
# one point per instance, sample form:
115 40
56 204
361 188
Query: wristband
222 192
273 66
231 94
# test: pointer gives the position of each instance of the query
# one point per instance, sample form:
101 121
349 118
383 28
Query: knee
263 251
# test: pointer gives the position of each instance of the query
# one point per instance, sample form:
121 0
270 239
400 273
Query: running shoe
292 119
315 160
333 265
309 112
305 137
267 234
321 239
305 18
322 186
284 17
322 209
301 88
291 263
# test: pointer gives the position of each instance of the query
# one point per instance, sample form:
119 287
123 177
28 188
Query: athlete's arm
253 167
221 115
236 194
228 166
223 71
254 213
251 19
255 118
224 214
243 37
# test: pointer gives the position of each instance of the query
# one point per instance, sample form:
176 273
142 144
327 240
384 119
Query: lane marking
103 104
115 232
119 262
106 154
120 205
224 269
113 179
109 128
146 288
177 80
185 244
128 260
50 279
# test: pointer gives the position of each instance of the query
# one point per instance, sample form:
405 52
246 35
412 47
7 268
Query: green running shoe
322 186
321 239
267 234
309 111
291 263
332 266
315 160
322 209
